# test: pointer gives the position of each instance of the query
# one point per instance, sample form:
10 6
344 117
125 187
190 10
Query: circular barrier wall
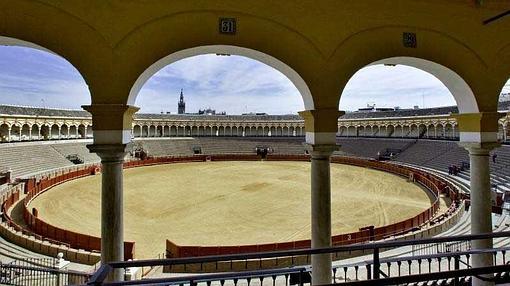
90 242
232 203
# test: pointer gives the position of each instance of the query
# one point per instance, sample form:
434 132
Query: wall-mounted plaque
409 40
228 26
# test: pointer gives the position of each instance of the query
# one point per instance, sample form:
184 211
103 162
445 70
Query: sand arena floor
231 203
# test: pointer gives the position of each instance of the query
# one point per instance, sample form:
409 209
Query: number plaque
409 40
227 26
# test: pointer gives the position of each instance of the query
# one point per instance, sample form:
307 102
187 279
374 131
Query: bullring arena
232 203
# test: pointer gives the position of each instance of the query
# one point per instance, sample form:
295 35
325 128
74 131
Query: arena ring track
397 227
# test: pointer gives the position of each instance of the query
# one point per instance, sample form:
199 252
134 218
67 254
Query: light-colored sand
230 203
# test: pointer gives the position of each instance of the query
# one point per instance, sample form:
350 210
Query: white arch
7 41
457 86
291 74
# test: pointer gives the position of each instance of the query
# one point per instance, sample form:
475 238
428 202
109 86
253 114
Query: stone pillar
321 211
479 135
112 223
85 132
505 133
481 204
111 129
30 133
321 128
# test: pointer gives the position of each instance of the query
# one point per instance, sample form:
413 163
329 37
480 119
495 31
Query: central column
321 211
112 134
112 218
321 126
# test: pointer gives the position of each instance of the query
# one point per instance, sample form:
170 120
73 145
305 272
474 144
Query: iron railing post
377 264
456 267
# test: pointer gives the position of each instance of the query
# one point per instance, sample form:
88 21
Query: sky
233 84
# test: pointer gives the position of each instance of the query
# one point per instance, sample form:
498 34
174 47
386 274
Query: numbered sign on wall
227 26
409 40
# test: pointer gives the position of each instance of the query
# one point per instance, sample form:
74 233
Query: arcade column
112 134
321 128
112 219
321 211
478 135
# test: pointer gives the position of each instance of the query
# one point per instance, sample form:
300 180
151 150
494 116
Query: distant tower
181 105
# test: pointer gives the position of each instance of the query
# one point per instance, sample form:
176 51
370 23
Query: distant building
181 105
209 111
255 113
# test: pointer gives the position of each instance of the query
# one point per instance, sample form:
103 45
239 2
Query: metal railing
452 265
33 275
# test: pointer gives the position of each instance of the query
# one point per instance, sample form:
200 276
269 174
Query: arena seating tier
29 159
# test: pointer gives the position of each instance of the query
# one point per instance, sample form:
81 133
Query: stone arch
398 131
73 131
413 131
266 131
422 130
448 131
285 131
455 64
159 131
431 130
440 131
389 130
145 131
89 131
4 132
208 131
137 131
36 132
25 132
272 129
194 130
285 69
54 131
64 131
82 131
173 131
152 131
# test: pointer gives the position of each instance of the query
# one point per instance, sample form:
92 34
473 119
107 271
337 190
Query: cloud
234 84
37 78
394 86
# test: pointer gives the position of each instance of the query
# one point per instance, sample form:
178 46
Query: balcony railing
451 263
